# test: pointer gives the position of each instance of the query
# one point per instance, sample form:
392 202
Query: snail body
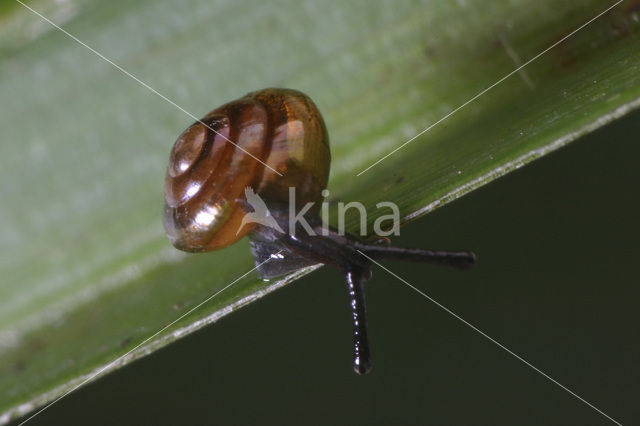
253 154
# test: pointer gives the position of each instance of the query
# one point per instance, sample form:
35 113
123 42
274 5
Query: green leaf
88 274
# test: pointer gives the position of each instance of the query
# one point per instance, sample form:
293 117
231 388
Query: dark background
556 283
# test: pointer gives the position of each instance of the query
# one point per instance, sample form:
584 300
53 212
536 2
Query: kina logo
260 214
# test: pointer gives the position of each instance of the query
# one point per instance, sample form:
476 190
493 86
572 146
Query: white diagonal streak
493 85
500 345
127 73
143 342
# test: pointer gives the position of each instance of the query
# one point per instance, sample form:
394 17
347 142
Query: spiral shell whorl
207 174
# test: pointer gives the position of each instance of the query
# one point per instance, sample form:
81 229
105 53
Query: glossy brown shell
207 175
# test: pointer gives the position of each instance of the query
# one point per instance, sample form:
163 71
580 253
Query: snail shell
207 175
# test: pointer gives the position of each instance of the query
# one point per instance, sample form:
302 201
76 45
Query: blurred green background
556 283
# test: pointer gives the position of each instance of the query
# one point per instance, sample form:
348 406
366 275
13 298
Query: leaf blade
87 271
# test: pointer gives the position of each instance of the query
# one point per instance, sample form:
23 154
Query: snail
248 168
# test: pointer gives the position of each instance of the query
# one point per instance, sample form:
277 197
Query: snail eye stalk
361 353
353 258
